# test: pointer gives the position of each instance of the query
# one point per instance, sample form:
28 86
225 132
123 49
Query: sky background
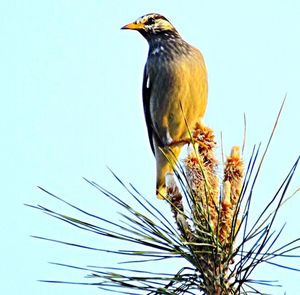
70 86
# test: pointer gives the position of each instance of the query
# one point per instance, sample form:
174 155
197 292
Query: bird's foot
188 141
201 144
180 142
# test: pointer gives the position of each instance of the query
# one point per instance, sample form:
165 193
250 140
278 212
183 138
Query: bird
174 90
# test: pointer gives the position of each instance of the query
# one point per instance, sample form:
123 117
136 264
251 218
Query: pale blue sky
70 86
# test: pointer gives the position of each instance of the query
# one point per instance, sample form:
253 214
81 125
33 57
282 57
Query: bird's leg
202 144
187 141
179 142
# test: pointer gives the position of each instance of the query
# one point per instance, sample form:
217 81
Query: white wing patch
148 82
169 138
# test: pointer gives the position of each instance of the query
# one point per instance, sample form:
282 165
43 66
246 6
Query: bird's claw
188 141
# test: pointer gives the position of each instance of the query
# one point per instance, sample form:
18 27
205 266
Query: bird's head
150 25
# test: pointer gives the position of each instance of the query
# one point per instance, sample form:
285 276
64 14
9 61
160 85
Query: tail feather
165 162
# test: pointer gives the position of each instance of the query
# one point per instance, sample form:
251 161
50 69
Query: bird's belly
176 113
178 98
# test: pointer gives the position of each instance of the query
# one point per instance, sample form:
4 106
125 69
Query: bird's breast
178 93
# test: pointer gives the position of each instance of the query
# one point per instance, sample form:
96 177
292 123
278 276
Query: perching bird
174 91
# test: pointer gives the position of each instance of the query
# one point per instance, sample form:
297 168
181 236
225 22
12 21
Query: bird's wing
146 103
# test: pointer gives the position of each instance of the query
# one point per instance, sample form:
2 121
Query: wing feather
146 103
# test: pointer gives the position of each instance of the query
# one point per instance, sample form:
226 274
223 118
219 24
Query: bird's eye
150 21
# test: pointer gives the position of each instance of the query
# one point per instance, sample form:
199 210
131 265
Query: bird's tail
165 162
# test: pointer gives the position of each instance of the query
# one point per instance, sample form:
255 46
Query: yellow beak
133 26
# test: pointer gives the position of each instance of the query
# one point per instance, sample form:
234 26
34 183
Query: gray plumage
174 91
